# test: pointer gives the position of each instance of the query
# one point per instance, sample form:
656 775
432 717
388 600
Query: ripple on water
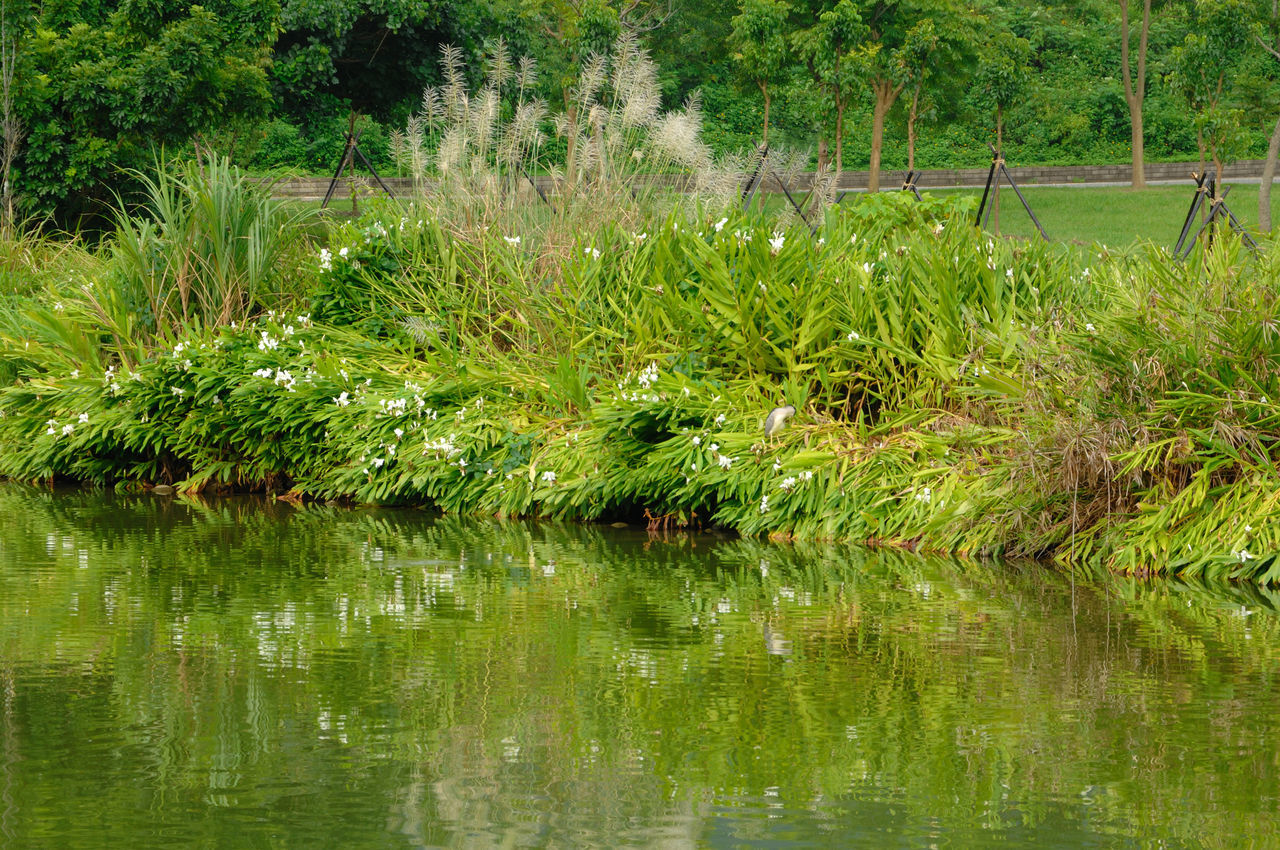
234 676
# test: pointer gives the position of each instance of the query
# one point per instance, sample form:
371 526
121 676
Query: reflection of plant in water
612 673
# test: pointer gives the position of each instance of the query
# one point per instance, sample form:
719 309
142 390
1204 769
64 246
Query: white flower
265 373
68 428
697 441
84 419
53 427
715 447
342 252
1089 327
925 495
763 288
593 253
1243 555
938 228
777 464
721 223
725 461
788 484
342 400
511 240
267 342
853 239
1008 273
178 391
764 504
853 335
378 462
549 477
775 244
719 420
399 432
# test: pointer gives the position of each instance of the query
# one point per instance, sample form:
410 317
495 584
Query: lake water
241 674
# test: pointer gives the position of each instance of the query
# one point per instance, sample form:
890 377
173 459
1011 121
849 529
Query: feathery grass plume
526 77
499 69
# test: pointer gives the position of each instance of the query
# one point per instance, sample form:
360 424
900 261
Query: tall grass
207 247
475 154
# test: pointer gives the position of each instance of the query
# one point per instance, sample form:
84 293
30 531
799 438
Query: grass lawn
1115 216
1111 215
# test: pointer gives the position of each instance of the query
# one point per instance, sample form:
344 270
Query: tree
102 98
1202 70
835 53
13 18
942 42
759 42
1273 147
334 55
1003 76
1134 92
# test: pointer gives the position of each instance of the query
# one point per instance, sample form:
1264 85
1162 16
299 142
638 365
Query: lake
241 673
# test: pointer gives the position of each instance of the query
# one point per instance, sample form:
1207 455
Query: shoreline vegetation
955 392
612 351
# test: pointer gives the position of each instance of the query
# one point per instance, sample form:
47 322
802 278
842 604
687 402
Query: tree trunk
995 190
1268 174
885 94
1134 92
764 87
1139 177
822 153
839 137
911 130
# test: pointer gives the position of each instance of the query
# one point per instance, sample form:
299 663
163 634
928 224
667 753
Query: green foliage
953 392
759 43
99 98
1003 74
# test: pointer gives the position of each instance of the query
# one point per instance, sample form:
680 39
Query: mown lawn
1115 215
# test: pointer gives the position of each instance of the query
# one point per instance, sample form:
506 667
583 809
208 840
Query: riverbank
954 392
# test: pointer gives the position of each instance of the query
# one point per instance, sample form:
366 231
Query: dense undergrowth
954 391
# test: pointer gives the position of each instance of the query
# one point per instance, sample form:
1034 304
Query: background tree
1003 76
105 97
1203 69
835 53
1268 41
940 51
13 24
1134 92
759 42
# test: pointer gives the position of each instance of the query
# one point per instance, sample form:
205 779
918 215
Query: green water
234 674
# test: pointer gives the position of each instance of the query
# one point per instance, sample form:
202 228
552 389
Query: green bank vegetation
955 392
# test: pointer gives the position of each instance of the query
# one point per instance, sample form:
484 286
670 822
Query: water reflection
247 674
